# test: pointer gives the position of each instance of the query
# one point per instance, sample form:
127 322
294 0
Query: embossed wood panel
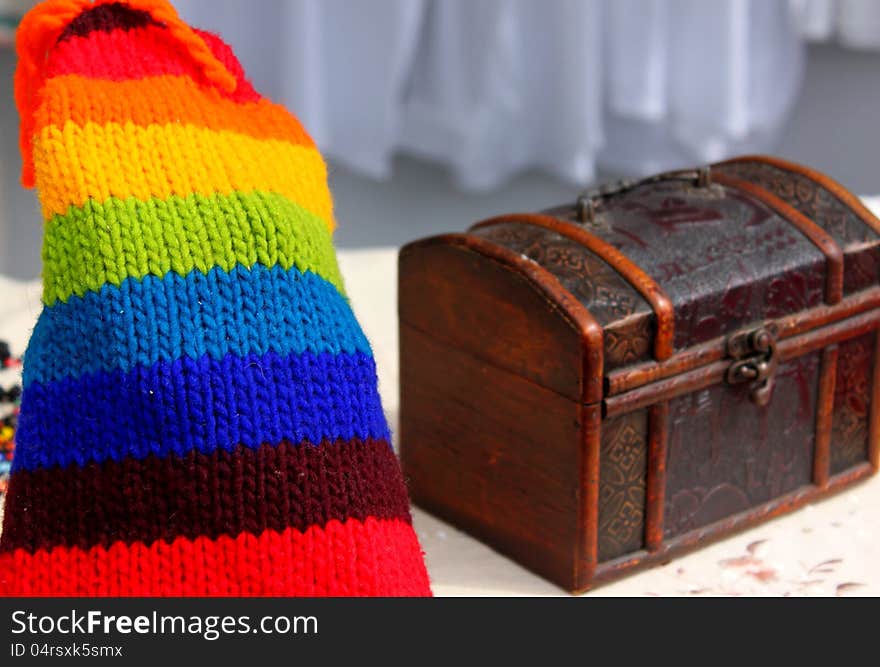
726 455
852 403
618 307
860 243
622 465
725 259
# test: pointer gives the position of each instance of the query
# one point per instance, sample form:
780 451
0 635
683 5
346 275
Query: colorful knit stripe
241 312
200 413
164 160
161 100
370 557
106 243
222 493
199 404
120 55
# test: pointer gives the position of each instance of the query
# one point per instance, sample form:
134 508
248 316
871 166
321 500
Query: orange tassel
43 25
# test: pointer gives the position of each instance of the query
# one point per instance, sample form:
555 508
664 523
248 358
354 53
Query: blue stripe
243 311
204 405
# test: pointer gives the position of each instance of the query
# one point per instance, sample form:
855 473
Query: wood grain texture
622 312
498 455
824 416
874 423
512 313
661 304
658 436
586 549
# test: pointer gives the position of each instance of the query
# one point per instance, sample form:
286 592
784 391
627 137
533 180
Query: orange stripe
378 557
161 100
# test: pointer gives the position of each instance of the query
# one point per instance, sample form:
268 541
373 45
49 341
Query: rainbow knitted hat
200 413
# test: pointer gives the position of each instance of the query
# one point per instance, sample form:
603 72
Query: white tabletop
830 548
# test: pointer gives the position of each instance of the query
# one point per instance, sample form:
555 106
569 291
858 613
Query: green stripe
105 243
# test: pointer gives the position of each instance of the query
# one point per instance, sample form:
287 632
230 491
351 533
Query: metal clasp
589 200
755 361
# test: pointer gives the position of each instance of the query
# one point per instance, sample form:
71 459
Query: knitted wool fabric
200 412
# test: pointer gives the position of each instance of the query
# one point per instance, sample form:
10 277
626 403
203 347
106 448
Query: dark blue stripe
204 405
243 311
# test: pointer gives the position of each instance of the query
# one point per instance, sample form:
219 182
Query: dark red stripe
222 493
107 17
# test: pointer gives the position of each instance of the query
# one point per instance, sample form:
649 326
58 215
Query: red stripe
354 558
120 55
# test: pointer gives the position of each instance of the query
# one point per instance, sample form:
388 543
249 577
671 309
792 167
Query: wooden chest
603 385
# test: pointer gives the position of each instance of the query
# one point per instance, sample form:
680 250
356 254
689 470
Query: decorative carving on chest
623 464
725 454
806 196
671 214
852 400
608 296
676 236
860 243
627 344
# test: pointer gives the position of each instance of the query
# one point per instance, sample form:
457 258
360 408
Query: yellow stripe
76 163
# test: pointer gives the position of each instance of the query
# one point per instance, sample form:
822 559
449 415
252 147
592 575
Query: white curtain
492 87
854 23
497 86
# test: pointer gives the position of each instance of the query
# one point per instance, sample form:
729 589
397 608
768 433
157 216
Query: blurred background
435 113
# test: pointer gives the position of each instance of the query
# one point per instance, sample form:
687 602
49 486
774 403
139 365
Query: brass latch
755 361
